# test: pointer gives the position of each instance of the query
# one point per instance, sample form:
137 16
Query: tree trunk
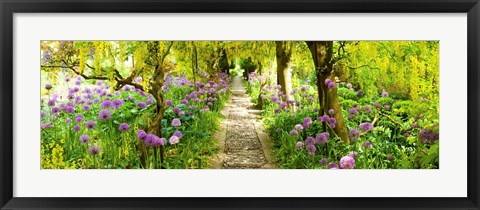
328 98
283 54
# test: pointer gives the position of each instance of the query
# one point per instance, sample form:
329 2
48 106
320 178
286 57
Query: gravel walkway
243 139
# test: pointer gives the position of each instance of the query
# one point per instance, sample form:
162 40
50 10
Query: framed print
239 105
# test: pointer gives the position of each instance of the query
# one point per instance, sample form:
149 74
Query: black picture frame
9 7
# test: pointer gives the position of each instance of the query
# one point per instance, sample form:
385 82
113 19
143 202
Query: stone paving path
244 142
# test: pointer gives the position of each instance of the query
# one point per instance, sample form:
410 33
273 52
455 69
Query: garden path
244 142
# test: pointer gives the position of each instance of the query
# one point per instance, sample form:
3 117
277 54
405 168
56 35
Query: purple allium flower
332 85
104 114
367 145
169 102
298 127
90 124
86 108
406 134
78 119
307 121
181 114
94 150
390 157
366 126
384 93
204 74
332 166
428 136
99 83
55 110
78 83
311 148
42 115
359 93
283 105
149 140
185 101
46 125
353 134
347 162
51 102
315 109
367 109
106 104
176 110
331 111
387 107
124 127
377 105
84 138
323 161
117 103
178 134
327 82
149 102
321 138
332 122
349 85
68 120
303 89
352 154
158 141
274 98
70 109
174 140
309 140
141 105
414 124
293 132
76 128
353 111
299 145
176 122
141 135
48 86
276 111
67 79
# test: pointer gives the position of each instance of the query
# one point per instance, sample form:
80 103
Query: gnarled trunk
283 54
328 98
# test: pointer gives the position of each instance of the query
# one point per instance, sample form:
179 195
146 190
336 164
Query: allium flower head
141 105
298 127
384 93
367 145
141 135
68 120
104 115
307 121
347 162
386 107
354 134
169 102
366 126
55 110
86 108
377 105
359 93
353 111
352 154
176 122
124 127
48 86
117 103
311 148
299 145
174 140
332 85
331 111
158 141
309 140
349 85
321 138
76 128
176 110
94 150
323 161
328 81
293 132
332 166
84 138
106 104
178 134
90 124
